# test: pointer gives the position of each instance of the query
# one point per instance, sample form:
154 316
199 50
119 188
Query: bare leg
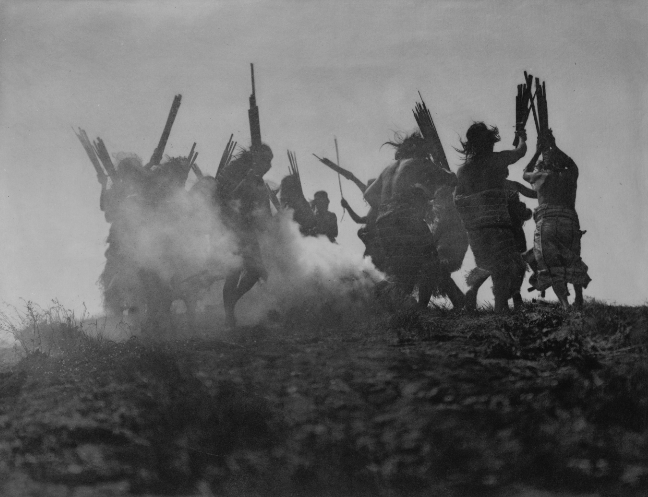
453 292
578 301
404 291
425 290
518 303
426 283
516 281
230 298
471 295
158 302
237 285
501 292
455 295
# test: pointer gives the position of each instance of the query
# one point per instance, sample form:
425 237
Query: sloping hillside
432 403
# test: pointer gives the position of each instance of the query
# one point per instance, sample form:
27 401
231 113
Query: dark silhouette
401 195
482 200
245 207
557 239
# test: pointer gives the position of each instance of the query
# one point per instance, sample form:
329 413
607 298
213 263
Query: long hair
242 158
409 146
247 154
479 140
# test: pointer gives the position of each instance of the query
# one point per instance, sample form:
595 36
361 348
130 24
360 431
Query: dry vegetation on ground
432 403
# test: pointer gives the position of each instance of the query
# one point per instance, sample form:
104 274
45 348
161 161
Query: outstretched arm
354 216
529 167
521 189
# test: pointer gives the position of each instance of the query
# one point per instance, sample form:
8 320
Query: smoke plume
309 277
180 238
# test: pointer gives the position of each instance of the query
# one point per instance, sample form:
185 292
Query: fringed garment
486 217
119 280
557 247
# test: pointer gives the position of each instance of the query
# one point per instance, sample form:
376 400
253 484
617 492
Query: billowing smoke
309 277
163 239
168 244
183 237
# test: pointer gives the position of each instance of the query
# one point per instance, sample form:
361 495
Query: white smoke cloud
184 237
181 239
309 275
186 243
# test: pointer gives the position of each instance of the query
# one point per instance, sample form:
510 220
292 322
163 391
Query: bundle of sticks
98 154
159 150
227 154
192 162
524 105
429 132
293 170
543 116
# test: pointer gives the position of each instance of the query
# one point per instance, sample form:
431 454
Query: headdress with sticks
293 170
226 157
429 132
253 115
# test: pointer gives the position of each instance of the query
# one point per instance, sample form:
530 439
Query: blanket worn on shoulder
557 247
405 239
486 217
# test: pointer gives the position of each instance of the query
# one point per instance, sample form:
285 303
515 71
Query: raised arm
508 157
528 170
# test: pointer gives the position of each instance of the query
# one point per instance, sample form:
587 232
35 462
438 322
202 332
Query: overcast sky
323 68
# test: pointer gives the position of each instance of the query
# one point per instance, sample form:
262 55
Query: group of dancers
422 217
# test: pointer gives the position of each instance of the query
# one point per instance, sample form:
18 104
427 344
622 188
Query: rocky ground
536 403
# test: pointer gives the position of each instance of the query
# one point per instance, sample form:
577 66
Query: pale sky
323 69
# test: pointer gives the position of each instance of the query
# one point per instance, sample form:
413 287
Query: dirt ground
537 404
